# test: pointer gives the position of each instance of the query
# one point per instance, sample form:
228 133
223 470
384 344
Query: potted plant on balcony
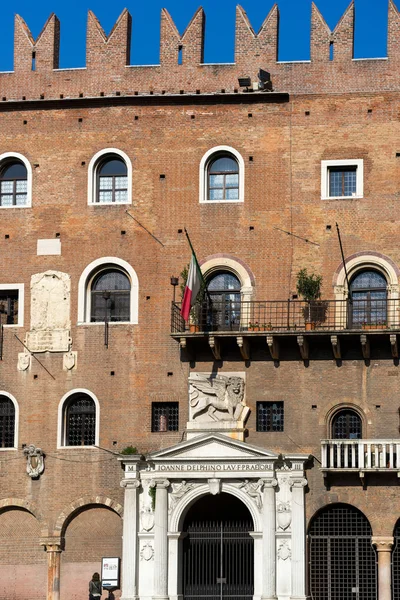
309 287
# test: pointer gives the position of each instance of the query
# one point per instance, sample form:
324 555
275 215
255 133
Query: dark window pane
114 166
80 421
223 282
9 307
270 416
342 181
111 280
7 422
111 297
367 280
165 416
225 164
15 170
369 295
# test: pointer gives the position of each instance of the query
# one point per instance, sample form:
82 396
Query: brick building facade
101 171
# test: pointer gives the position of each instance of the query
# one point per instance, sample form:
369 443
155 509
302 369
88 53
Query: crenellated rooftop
332 68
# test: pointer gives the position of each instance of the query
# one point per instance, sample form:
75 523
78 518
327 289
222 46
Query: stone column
298 538
383 547
268 539
160 591
53 550
129 539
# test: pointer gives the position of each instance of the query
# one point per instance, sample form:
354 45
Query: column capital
51 544
131 483
299 482
270 482
382 543
160 483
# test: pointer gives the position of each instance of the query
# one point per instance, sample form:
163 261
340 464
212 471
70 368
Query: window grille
347 425
165 416
342 181
112 184
270 416
223 179
110 296
80 421
7 422
369 295
13 184
342 558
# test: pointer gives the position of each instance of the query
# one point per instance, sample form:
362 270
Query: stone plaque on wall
50 312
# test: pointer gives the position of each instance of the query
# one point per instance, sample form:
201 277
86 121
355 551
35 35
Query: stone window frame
203 175
84 290
62 413
326 165
16 420
8 156
20 287
356 263
94 164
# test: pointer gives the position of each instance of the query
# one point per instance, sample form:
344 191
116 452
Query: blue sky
370 40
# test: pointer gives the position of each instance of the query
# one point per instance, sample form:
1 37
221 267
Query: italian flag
192 287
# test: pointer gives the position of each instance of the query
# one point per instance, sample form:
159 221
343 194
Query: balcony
360 456
340 324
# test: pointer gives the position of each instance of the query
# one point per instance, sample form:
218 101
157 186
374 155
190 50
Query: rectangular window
9 307
342 179
270 416
165 416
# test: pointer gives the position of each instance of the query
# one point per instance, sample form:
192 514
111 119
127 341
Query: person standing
95 588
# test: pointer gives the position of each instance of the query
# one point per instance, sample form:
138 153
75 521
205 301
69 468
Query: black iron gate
218 561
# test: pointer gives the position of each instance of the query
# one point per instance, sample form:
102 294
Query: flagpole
344 265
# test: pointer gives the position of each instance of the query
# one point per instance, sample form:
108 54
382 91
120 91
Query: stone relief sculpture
147 518
35 461
284 551
178 491
147 552
24 361
219 398
284 512
69 360
50 313
254 490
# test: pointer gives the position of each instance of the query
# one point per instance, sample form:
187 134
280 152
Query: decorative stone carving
284 551
50 313
24 361
218 398
147 518
178 491
299 482
215 486
254 490
284 515
35 461
70 360
147 552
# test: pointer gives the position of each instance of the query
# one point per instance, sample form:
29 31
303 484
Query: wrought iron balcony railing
288 316
361 455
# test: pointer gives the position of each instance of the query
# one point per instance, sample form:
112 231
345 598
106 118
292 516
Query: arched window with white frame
108 292
15 181
222 176
78 419
110 178
9 414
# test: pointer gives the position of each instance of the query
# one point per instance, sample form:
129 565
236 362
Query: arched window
110 296
223 178
224 298
13 183
112 181
110 177
108 290
346 425
342 559
222 175
369 299
7 422
79 422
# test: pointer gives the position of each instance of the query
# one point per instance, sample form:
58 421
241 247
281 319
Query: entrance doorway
218 555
